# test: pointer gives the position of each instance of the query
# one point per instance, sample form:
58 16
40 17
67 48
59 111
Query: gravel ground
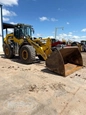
34 90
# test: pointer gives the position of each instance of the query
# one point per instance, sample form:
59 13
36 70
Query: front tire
27 54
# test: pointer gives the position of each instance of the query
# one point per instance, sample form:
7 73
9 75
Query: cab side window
16 32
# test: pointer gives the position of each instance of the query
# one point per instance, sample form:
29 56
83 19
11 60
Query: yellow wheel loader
20 43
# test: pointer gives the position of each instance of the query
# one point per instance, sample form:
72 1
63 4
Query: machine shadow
17 59
50 72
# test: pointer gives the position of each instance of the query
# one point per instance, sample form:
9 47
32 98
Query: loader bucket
65 61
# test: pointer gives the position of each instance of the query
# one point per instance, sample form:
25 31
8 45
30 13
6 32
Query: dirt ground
34 90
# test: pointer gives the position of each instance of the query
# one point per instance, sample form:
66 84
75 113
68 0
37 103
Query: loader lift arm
44 50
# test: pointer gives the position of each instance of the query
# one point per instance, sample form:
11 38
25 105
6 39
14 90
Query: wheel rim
24 54
7 51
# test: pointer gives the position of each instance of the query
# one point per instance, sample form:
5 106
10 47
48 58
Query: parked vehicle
83 45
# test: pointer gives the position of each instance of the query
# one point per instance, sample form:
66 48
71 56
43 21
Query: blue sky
46 15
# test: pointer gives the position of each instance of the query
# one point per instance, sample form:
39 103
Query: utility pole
57 29
1 29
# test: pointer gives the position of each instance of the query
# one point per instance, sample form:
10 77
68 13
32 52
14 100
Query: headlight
24 37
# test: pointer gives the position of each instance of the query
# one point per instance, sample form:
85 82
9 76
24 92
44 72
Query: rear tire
27 54
8 51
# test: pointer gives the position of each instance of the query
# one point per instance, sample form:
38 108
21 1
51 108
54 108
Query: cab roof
7 25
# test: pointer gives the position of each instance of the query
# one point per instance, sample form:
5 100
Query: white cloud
9 2
68 23
10 30
53 19
13 23
61 9
83 30
38 35
63 35
83 37
44 18
5 19
75 37
47 19
49 37
69 36
70 33
8 13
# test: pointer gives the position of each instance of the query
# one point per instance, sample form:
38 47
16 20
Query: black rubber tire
27 54
8 51
40 57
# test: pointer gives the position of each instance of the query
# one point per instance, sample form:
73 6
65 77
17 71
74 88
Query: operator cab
19 30
23 31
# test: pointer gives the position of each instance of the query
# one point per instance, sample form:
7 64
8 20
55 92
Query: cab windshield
26 30
22 31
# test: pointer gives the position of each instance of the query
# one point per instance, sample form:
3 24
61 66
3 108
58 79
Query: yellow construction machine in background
20 43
